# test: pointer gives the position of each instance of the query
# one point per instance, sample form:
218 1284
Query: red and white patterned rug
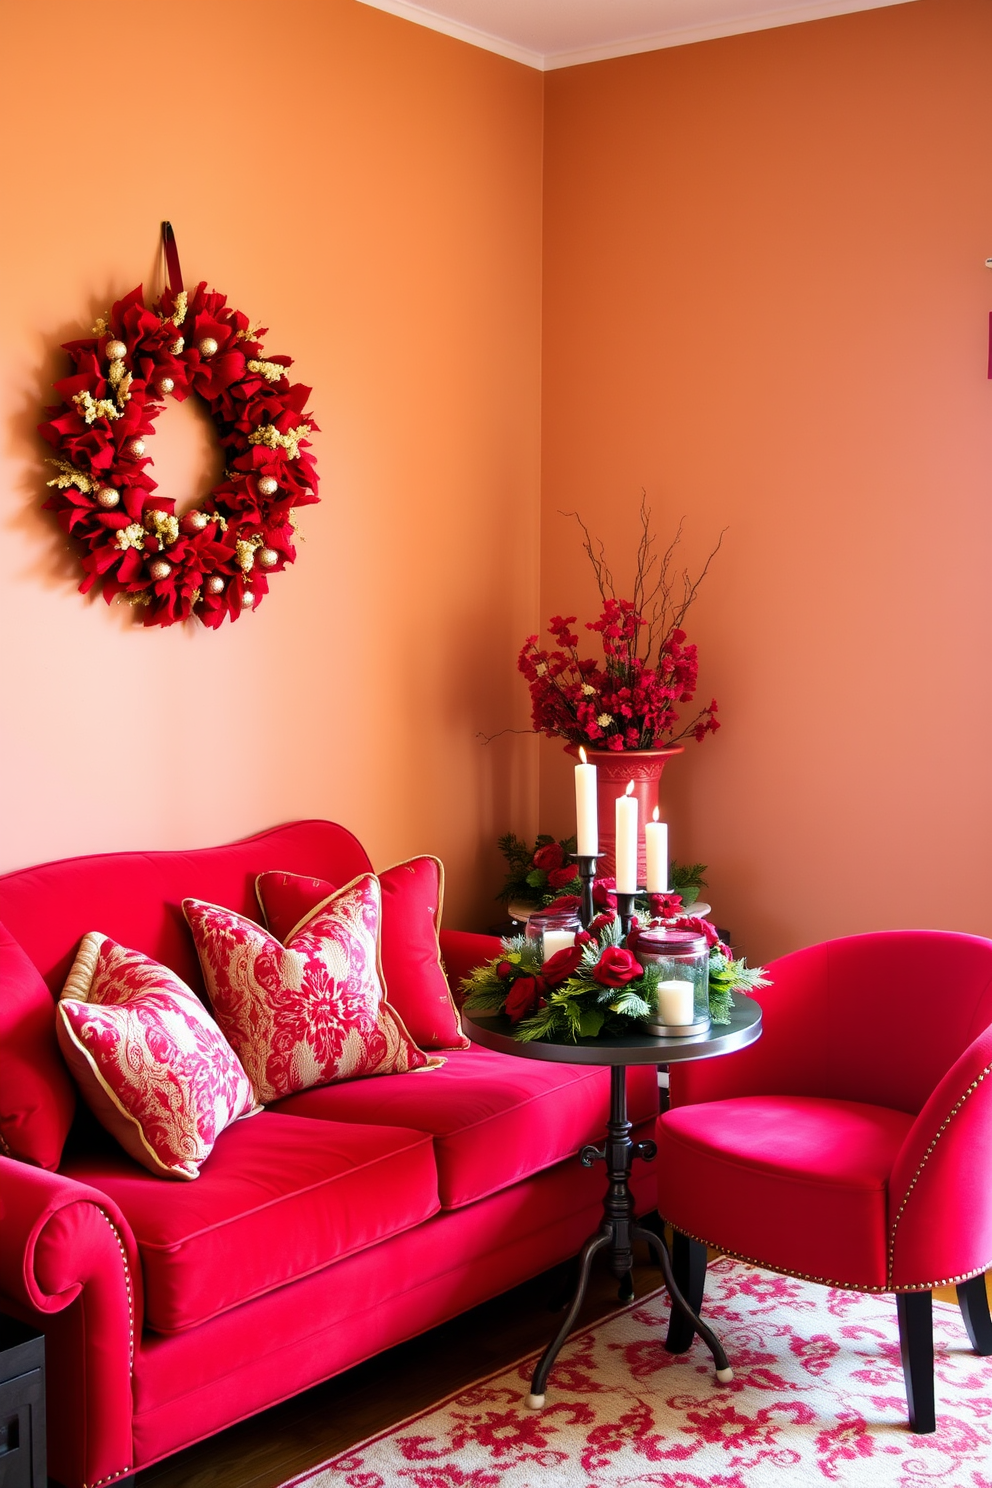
817 1398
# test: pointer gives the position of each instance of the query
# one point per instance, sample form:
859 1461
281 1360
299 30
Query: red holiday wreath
213 561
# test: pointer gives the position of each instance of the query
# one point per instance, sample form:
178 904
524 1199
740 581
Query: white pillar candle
656 850
675 1003
557 940
626 848
586 817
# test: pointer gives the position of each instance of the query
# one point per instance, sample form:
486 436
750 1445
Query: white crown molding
763 21
434 22
814 10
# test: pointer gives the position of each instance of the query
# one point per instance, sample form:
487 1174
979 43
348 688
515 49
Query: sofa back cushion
37 1099
136 897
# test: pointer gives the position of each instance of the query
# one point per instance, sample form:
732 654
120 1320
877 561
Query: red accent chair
851 1144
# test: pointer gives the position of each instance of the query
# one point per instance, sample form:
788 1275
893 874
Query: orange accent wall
372 192
766 303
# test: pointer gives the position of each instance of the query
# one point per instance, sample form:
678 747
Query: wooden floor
284 1441
268 1449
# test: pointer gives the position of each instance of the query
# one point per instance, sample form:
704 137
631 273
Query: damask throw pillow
309 1012
149 1060
415 983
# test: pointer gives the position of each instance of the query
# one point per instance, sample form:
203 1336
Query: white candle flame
630 788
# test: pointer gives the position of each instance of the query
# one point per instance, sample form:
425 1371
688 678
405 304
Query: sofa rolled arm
57 1236
940 1200
69 1264
461 952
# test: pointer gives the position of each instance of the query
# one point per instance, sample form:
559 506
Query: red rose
523 997
549 857
604 893
504 969
616 967
559 967
566 901
701 927
600 922
560 878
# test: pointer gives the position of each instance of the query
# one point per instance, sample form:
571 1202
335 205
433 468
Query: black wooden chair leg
915 1311
689 1266
974 1302
653 1221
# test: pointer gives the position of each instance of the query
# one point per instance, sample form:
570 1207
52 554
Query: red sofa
318 1233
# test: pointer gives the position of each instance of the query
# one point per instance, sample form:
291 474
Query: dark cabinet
22 1406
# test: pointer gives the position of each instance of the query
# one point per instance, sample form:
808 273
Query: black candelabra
625 909
587 873
587 910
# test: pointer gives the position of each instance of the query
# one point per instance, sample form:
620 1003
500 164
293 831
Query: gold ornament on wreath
213 562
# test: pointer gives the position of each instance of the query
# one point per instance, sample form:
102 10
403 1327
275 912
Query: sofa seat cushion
278 1198
798 1183
495 1118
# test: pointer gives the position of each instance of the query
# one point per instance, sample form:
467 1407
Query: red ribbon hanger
172 258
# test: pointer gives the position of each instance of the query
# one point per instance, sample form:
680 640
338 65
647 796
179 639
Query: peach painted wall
766 303
372 191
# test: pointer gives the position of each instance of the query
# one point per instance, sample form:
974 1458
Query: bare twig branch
488 738
691 586
659 616
604 578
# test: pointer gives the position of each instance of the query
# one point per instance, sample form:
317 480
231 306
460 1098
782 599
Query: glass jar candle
682 1000
551 930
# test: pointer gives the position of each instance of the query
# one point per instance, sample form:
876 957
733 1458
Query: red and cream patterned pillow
149 1060
309 1012
415 983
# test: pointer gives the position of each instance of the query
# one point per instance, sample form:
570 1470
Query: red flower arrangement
596 985
630 699
213 562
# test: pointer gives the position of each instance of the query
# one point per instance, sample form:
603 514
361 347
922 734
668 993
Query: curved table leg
724 1373
535 1400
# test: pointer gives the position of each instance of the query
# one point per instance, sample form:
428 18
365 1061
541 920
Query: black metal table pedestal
617 1234
619 1228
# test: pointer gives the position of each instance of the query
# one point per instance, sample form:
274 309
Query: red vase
614 769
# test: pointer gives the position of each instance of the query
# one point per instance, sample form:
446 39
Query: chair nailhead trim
844 1286
890 1266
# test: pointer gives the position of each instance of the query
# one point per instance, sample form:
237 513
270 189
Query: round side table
619 1228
